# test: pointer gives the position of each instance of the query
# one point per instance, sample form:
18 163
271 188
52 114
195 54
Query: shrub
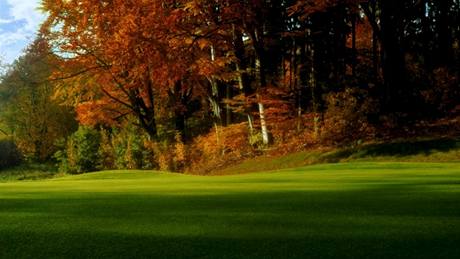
346 118
180 153
81 152
9 154
131 149
295 134
219 147
444 92
164 155
106 150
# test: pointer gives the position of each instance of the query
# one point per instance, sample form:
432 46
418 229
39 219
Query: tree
30 115
187 66
133 52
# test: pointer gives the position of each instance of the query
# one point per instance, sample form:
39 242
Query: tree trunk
312 85
263 124
241 67
427 50
445 52
353 45
260 79
375 57
370 9
214 101
394 69
144 111
228 111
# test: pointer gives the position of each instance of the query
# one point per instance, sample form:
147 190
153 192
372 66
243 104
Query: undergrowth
27 171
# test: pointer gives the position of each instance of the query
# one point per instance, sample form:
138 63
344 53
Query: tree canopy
291 71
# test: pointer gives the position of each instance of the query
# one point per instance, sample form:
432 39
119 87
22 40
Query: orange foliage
132 50
220 147
99 112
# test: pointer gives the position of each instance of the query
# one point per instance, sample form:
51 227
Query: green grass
373 210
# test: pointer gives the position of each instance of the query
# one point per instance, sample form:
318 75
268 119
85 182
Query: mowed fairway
373 210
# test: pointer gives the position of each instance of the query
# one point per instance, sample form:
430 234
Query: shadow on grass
407 221
84 245
28 171
432 150
394 149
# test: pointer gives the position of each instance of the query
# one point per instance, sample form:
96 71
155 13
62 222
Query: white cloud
26 10
5 21
25 13
13 37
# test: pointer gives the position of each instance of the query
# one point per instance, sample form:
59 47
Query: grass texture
348 210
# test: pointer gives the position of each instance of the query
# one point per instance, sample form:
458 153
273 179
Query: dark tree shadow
394 149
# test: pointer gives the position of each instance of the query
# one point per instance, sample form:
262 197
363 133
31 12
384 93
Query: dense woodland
193 85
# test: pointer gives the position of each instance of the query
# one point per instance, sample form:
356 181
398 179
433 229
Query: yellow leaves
192 6
203 43
188 41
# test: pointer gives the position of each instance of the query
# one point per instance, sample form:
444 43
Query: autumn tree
128 54
29 113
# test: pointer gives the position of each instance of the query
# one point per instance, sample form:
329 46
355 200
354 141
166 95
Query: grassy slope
405 210
422 150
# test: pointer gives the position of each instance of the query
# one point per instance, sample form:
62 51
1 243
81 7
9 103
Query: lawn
373 210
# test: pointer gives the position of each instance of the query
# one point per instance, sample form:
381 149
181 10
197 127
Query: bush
9 154
444 92
106 150
346 118
130 148
295 134
218 148
81 152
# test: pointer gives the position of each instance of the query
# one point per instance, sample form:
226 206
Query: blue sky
19 21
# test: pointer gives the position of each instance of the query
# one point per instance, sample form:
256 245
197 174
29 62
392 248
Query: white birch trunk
263 124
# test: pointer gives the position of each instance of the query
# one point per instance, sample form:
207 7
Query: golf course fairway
350 210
